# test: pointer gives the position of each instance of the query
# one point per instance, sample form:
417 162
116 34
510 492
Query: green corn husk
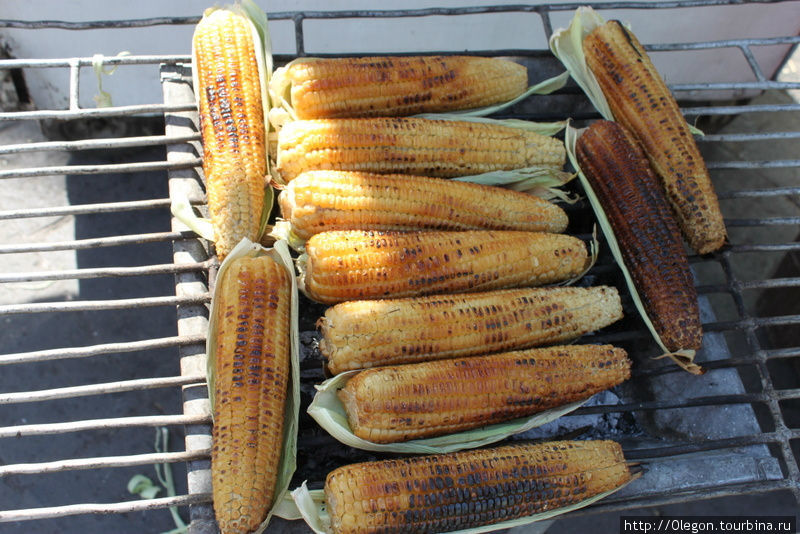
684 358
279 253
327 410
567 46
312 507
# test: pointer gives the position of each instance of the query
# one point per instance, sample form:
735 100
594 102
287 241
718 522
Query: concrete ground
29 332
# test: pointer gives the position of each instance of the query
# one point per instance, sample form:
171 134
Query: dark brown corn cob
403 402
641 101
446 492
643 224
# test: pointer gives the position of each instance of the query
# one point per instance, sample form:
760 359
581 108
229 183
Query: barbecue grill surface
729 432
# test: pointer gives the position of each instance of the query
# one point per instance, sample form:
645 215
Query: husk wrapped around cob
253 382
228 71
466 492
404 402
612 67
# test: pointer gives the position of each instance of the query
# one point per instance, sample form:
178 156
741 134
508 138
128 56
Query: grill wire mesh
745 404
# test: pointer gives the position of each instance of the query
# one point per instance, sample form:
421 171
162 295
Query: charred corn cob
355 264
421 400
394 86
446 492
231 125
411 146
317 201
252 376
369 333
649 239
641 101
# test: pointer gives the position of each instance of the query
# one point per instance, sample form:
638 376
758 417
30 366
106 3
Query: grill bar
102 508
80 244
116 304
88 209
96 350
98 389
84 274
96 144
101 463
46 429
97 169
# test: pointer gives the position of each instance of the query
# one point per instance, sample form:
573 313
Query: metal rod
88 113
97 350
101 424
80 244
753 193
54 512
98 389
102 272
748 137
772 221
74 85
109 168
97 305
96 144
87 209
101 463
87 61
766 164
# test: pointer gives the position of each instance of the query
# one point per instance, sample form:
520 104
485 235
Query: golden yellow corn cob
369 333
355 264
252 376
643 224
641 101
421 400
394 86
411 146
318 201
445 492
231 125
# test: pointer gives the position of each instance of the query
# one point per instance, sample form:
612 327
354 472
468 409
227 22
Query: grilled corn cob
317 201
355 264
641 101
231 125
370 333
252 375
411 146
393 86
446 492
403 402
649 239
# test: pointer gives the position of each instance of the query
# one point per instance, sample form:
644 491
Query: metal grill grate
730 432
